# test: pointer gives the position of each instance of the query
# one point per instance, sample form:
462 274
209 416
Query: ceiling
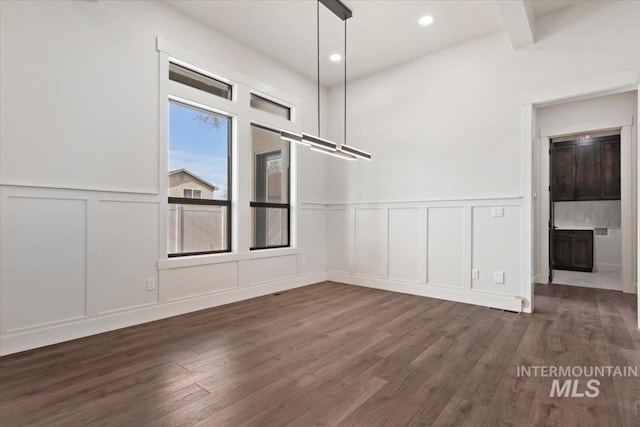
381 34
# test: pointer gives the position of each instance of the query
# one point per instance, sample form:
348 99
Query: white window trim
239 109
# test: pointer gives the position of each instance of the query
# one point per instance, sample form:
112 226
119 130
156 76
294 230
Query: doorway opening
585 246
535 171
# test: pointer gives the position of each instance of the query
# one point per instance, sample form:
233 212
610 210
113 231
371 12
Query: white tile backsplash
598 213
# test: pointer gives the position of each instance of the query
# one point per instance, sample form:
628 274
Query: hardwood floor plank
462 413
341 402
379 409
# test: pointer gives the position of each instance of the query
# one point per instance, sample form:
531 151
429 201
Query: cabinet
610 173
586 169
573 250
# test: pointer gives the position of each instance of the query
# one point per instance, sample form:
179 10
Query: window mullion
242 171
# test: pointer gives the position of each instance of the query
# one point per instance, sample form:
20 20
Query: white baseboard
467 296
602 267
54 334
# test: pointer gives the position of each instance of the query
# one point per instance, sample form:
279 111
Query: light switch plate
497 211
498 277
475 273
151 284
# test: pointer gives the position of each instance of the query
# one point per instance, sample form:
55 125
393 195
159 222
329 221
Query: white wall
597 213
446 129
607 252
79 173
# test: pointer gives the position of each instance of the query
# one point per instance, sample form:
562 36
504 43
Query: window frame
207 202
273 205
243 115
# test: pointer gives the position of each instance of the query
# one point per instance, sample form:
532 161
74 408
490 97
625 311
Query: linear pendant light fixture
316 142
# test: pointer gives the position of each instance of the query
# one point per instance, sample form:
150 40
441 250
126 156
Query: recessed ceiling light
425 20
335 57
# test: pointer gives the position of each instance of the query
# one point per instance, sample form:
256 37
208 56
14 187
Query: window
218 126
199 81
264 104
189 193
199 209
270 209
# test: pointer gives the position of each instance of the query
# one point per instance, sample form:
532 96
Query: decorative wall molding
104 298
440 267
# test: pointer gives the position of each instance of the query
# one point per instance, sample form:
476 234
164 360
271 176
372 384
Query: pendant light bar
355 152
293 137
335 153
318 142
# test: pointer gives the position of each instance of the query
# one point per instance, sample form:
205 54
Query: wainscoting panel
405 244
445 246
371 242
43 274
76 263
432 246
255 271
341 226
496 248
312 239
190 282
127 254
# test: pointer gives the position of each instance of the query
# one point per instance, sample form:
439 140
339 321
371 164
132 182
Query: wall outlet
498 277
497 211
151 283
475 273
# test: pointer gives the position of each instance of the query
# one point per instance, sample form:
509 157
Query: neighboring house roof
208 184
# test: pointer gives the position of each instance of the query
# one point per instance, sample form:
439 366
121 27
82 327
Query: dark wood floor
332 354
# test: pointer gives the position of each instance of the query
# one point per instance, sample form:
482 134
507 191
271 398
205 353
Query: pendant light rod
318 56
344 140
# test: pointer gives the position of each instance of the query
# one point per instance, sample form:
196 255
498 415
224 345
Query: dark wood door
610 180
582 252
587 185
573 250
562 250
564 167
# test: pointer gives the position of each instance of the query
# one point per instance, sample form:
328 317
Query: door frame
606 85
624 124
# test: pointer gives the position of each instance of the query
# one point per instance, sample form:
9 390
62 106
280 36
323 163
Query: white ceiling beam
519 21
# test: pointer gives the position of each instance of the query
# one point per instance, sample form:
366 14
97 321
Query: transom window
260 103
192 78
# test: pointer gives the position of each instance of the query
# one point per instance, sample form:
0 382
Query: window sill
195 260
